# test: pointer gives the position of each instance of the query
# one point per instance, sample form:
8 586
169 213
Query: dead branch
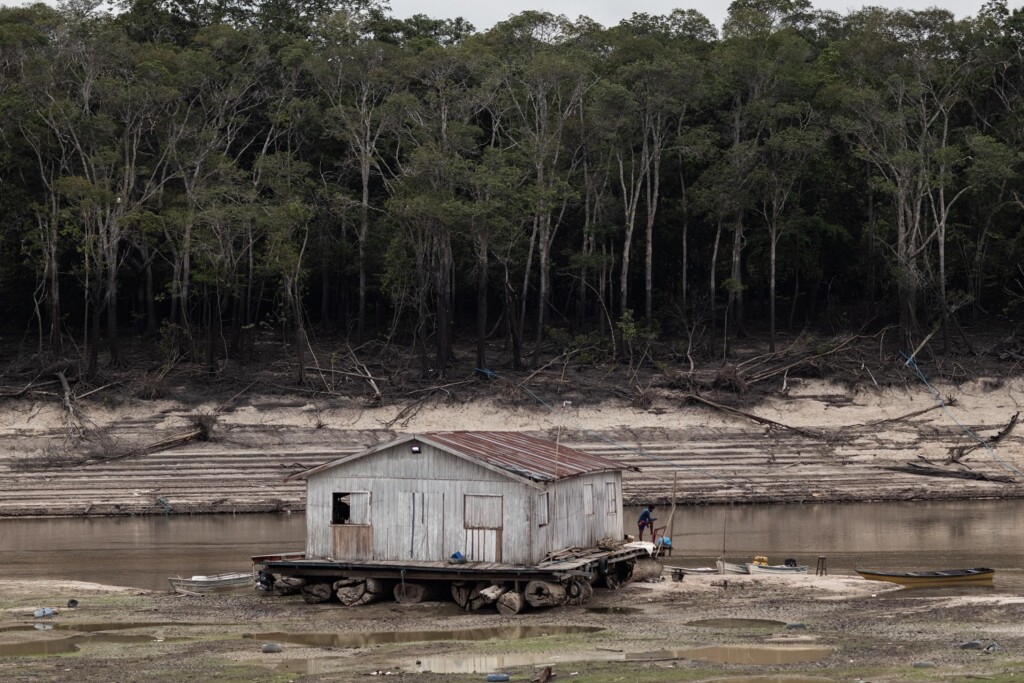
98 389
810 433
908 415
439 387
231 400
768 374
956 454
344 373
929 471
31 386
365 374
197 434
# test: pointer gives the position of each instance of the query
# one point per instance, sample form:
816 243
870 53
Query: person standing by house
646 520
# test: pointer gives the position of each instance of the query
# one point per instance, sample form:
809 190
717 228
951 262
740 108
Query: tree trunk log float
618 574
363 592
647 569
409 593
464 591
314 593
586 591
288 585
545 594
511 603
488 596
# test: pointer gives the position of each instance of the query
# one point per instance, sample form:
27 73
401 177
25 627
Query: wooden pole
672 512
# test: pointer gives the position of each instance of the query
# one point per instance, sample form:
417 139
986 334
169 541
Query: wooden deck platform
584 562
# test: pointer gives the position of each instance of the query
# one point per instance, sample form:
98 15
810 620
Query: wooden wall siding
483 545
569 525
420 506
352 541
392 477
483 512
419 535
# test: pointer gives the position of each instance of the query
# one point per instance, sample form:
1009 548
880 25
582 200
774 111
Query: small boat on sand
698 570
777 569
940 577
211 583
731 568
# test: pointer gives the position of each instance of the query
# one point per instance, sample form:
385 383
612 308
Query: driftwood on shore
935 471
958 453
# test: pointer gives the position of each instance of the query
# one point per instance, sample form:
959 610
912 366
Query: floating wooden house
495 497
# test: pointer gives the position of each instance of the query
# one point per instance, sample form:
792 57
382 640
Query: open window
350 508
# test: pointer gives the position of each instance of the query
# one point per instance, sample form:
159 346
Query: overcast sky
485 13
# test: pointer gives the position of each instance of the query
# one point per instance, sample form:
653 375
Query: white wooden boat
697 570
778 569
210 583
731 568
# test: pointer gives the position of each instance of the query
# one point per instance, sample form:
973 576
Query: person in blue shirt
646 520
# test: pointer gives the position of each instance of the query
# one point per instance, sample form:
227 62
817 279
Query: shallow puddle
93 627
615 610
737 623
304 666
56 646
725 654
392 637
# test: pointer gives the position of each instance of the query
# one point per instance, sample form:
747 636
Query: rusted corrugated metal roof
526 456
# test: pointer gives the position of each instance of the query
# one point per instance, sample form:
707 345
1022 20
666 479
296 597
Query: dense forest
188 173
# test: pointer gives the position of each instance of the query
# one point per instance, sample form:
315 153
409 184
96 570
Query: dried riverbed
830 628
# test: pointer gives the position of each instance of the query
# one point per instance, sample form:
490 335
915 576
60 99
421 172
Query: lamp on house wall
415 449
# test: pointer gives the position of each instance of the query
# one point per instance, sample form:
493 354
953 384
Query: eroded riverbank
829 442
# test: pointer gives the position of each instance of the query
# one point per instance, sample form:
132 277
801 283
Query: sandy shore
851 628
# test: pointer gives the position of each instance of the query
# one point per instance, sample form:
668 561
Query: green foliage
262 161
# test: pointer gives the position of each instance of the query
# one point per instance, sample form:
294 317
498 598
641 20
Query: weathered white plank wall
426 506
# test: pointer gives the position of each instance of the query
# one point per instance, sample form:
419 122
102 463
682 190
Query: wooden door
483 515
420 535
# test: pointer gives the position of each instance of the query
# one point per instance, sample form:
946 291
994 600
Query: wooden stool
822 568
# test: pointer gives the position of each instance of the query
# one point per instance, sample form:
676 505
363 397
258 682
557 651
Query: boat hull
731 568
211 584
698 571
777 569
944 577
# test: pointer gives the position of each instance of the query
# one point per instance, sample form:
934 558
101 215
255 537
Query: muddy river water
145 551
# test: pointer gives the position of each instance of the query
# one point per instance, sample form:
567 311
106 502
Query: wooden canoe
940 577
211 583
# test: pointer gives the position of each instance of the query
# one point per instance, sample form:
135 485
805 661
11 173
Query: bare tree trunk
736 275
714 278
773 236
481 303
